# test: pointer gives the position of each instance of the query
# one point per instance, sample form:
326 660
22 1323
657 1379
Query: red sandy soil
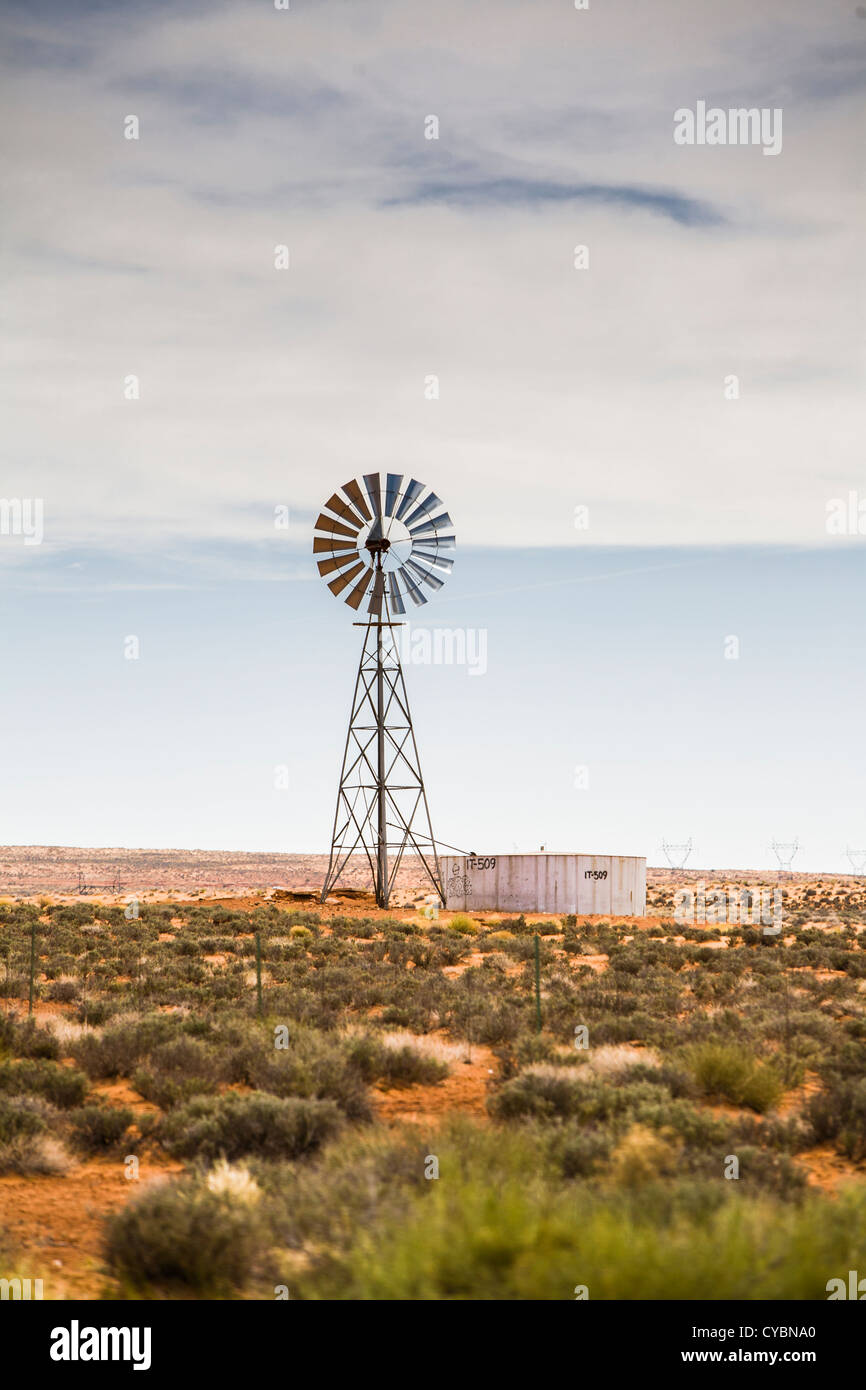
56 1223
828 1170
30 870
465 1090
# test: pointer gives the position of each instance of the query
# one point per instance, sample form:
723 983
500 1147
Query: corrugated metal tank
579 883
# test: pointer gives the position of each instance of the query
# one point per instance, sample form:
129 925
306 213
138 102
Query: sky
640 453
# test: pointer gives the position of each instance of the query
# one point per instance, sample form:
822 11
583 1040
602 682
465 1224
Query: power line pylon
677 855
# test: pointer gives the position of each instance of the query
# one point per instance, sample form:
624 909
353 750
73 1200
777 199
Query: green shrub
39 1156
728 1070
395 1066
350 1183
400 1017
540 1093
97 1128
677 1081
762 1089
487 1020
233 1126
176 1071
770 1172
697 1128
579 1151
315 1066
61 1086
838 1112
501 1238
181 1235
94 1012
63 991
26 1145
642 1156
118 1050
7 1034
535 1048
27 1039
463 925
23 1115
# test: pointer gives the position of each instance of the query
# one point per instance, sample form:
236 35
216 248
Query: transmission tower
785 852
677 855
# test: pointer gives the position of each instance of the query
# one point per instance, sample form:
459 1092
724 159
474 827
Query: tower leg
381 796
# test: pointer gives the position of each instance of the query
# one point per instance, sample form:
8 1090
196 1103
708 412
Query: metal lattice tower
857 860
84 887
381 796
677 855
784 852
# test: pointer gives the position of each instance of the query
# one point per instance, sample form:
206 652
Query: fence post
537 984
259 971
469 991
32 964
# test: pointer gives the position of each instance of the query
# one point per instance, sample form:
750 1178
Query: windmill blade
374 492
327 523
441 542
426 576
426 508
392 492
413 490
337 585
411 587
396 597
360 589
353 492
436 524
337 562
320 543
340 508
433 557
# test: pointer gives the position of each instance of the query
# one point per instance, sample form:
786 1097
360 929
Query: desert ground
31 870
223 1088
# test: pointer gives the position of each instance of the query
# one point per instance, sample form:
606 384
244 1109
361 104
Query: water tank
609 884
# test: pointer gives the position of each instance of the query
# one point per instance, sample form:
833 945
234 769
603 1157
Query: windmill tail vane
382 544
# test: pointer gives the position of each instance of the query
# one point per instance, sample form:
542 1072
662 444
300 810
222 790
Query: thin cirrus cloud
524 192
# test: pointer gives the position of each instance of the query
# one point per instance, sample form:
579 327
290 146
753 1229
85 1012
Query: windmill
378 548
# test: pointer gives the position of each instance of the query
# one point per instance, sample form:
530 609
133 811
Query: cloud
410 257
226 97
516 192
